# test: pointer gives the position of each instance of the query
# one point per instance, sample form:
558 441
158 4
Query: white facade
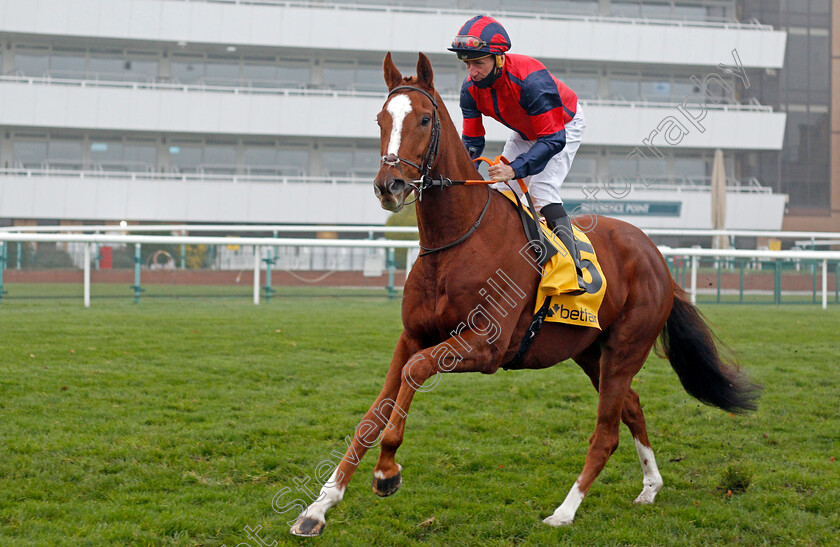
410 30
87 108
173 109
66 197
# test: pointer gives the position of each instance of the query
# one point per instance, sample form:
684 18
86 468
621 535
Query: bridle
425 181
431 155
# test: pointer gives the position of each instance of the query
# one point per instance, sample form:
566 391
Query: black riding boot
560 223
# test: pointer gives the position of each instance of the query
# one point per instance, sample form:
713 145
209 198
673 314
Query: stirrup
561 227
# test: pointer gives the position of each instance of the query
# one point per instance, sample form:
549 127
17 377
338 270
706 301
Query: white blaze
398 107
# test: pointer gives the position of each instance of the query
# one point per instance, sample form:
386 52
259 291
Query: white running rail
259 242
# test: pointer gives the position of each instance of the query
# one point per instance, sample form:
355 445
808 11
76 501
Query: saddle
558 295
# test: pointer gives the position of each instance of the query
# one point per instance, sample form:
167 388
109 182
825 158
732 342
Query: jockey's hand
501 172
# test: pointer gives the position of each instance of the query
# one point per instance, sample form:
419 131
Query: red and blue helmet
479 37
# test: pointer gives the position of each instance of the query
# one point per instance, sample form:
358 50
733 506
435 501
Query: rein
463 238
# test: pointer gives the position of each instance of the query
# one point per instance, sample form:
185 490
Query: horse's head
410 133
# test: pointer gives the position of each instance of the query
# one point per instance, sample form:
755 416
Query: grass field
175 422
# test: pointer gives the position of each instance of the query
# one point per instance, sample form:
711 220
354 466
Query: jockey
544 114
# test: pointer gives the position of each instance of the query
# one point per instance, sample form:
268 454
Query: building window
624 88
30 154
187 70
139 156
67 65
185 156
292 162
584 168
294 74
346 162
584 86
267 159
219 158
32 64
64 153
691 169
221 73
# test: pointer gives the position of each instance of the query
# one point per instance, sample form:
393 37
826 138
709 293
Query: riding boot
560 223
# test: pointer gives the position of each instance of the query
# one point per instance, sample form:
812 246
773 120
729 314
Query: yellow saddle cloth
559 279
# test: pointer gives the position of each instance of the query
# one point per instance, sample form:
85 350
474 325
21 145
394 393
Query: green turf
175 422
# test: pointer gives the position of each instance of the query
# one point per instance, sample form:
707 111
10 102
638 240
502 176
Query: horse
470 297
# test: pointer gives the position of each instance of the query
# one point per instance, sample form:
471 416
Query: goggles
468 42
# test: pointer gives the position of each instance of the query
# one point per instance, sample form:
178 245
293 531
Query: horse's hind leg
634 418
623 353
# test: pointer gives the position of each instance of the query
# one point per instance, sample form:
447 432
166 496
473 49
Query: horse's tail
693 350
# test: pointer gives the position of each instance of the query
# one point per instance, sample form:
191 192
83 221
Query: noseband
434 142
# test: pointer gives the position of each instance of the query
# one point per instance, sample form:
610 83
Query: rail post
741 265
137 261
391 261
269 262
719 264
777 281
87 274
837 282
694 261
825 284
3 246
98 254
256 275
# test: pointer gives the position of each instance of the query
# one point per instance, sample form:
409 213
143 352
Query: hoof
558 520
648 494
644 499
386 487
307 527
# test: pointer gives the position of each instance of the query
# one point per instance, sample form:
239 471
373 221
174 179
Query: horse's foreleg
468 353
312 521
634 418
386 474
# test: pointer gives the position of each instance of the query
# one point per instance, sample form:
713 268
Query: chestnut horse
470 299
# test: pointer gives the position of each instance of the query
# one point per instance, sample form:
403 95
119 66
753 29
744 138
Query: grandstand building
240 111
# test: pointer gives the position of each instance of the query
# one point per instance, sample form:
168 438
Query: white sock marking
329 497
652 479
381 476
565 514
399 106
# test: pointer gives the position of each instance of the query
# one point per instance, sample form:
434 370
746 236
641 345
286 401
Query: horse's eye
426 120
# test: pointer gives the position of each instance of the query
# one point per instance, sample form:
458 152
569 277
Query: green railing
739 280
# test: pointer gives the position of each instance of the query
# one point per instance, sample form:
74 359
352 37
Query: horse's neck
444 215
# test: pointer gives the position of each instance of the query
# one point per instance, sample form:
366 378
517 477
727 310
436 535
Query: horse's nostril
396 186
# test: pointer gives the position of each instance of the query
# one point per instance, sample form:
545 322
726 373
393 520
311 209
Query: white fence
259 243
377 229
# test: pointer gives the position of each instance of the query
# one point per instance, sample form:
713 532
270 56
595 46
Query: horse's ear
392 74
425 74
